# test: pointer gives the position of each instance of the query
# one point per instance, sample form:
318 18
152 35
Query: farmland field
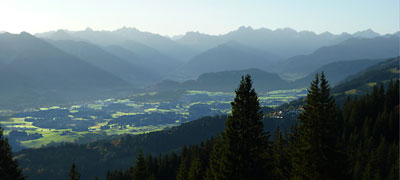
139 113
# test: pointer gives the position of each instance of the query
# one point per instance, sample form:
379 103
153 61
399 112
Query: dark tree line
358 141
8 166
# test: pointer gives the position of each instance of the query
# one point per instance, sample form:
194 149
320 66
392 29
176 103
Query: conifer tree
243 142
214 171
195 170
8 166
73 173
316 154
139 173
279 156
182 170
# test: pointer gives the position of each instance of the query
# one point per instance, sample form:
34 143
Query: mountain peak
25 33
127 29
307 33
244 28
194 34
88 29
327 34
368 33
60 32
286 30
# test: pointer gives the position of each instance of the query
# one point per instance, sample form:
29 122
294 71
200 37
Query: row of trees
358 141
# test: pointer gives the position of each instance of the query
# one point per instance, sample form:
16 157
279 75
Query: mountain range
284 42
33 70
187 56
58 64
228 56
354 48
120 36
131 72
226 81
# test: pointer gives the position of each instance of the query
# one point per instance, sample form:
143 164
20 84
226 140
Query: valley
135 114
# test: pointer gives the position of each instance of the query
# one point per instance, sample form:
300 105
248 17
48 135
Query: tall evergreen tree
195 170
139 172
280 156
316 154
182 170
243 141
8 166
73 173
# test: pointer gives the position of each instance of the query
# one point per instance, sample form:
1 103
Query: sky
174 17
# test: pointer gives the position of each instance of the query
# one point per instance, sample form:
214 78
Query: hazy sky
171 17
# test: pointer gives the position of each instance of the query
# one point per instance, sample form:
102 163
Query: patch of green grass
351 91
119 114
371 84
50 136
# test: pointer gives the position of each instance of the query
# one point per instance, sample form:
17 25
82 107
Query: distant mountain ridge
133 73
363 81
284 42
138 58
338 71
355 48
34 71
284 50
226 81
160 43
229 56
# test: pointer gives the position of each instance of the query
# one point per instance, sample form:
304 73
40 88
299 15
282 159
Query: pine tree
8 166
73 173
316 155
139 172
279 156
182 170
214 171
243 142
195 170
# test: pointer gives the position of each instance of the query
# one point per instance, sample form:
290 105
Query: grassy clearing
351 91
50 136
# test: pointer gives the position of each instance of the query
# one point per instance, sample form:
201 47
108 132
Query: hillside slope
338 71
355 48
226 81
102 59
33 71
363 81
227 57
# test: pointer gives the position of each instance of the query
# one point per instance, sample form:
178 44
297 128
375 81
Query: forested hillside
121 152
359 141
